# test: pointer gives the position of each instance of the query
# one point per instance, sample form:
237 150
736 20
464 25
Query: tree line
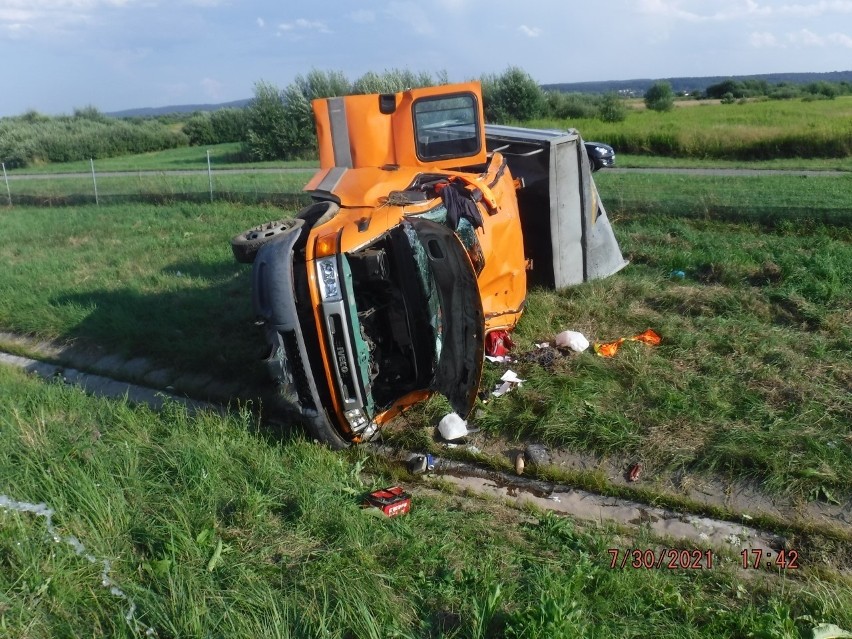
277 124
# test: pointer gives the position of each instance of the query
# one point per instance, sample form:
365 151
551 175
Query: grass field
751 131
155 187
222 156
210 527
752 380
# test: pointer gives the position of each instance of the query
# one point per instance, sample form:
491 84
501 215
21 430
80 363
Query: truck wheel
245 245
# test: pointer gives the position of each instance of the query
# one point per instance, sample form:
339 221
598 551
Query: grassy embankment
211 527
751 381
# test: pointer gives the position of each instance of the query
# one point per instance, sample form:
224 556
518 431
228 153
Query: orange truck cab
382 291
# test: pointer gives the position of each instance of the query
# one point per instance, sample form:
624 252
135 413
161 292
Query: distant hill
630 87
151 112
639 86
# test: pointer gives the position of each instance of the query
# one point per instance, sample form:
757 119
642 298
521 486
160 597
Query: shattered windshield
427 283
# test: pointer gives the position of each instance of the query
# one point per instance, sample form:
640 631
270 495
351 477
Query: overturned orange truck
426 229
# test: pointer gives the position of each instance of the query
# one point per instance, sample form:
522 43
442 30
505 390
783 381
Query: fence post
94 181
6 179
210 175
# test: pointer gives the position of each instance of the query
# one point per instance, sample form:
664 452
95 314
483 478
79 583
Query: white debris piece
510 379
452 427
572 339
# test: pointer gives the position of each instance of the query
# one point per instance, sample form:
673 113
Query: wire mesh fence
279 186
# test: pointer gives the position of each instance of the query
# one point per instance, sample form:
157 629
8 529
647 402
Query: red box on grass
393 501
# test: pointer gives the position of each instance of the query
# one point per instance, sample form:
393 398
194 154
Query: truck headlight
357 419
329 282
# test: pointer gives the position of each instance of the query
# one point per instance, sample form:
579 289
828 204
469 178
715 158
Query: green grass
746 132
222 156
214 527
751 381
769 198
137 279
153 186
633 161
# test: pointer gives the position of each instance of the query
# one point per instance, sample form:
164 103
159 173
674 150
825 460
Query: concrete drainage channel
702 532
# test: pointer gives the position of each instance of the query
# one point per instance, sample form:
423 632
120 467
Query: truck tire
245 245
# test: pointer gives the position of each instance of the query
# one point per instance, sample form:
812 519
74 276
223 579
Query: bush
265 116
229 125
660 97
571 106
394 81
613 108
33 138
199 130
513 96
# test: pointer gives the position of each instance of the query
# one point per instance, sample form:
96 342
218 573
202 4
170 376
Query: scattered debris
537 455
677 274
519 464
510 379
609 349
634 472
577 342
830 631
421 463
473 449
544 355
452 427
498 344
393 501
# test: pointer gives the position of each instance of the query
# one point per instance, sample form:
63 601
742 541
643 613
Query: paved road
179 172
735 172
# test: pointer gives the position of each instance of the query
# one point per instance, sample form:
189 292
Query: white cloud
363 16
300 27
261 23
840 39
807 38
763 40
532 32
730 10
52 16
815 9
300 24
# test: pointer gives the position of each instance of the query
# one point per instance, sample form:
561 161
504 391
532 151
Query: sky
58 55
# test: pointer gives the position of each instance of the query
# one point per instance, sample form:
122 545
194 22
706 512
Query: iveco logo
341 360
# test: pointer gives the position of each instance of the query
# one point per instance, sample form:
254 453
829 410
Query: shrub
512 96
613 109
199 130
660 97
265 116
571 106
229 125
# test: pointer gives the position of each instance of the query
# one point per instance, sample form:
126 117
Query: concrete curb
102 373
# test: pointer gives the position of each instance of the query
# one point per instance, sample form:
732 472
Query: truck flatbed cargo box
566 230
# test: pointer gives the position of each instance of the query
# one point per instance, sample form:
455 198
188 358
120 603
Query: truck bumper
288 363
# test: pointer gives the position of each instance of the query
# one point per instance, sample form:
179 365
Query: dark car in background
600 155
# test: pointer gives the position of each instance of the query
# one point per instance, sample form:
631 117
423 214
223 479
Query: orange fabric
609 349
